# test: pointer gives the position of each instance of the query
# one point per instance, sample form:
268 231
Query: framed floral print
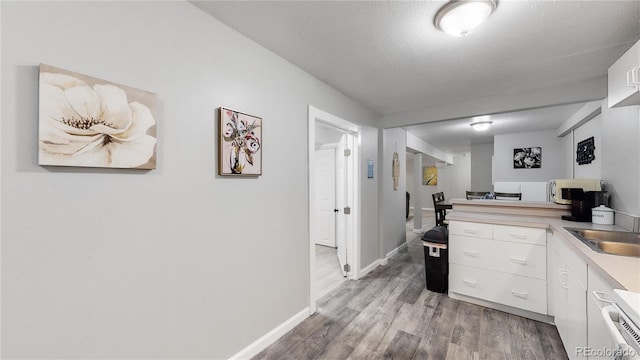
240 144
89 122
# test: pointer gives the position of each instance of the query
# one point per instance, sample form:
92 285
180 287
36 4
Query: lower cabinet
501 264
569 298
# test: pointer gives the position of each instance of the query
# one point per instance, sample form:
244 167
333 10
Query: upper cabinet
624 79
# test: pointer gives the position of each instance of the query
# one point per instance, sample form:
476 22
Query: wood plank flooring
389 314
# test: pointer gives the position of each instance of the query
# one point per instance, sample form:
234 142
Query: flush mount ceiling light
458 17
481 125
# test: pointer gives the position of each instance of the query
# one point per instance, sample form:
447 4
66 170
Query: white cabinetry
569 297
624 70
599 295
501 264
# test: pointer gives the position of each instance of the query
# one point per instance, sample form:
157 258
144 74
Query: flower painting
240 151
88 122
527 158
429 175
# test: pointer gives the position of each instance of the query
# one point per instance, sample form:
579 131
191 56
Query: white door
324 229
342 200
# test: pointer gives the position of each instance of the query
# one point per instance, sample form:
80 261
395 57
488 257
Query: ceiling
388 56
456 136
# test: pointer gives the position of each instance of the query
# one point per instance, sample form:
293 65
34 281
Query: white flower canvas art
89 122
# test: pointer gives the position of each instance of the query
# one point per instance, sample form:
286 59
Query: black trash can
436 258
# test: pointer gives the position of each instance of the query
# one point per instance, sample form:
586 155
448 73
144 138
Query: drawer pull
470 231
519 236
470 283
470 253
519 261
600 296
519 294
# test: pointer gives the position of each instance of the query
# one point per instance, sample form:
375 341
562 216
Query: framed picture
89 122
429 175
240 144
370 169
527 158
585 151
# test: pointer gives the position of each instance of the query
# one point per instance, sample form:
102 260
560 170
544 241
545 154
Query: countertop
622 271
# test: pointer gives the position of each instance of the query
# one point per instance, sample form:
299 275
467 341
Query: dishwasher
622 319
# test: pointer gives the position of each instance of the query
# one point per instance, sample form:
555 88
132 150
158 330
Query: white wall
568 154
393 201
616 133
553 166
591 128
456 178
620 164
369 235
426 190
481 159
175 262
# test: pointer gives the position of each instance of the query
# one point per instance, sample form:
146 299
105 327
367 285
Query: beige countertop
622 271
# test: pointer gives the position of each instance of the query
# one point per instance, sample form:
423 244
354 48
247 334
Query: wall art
585 151
429 175
240 144
370 169
527 158
89 122
395 170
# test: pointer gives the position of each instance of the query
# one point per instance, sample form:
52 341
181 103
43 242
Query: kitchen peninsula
518 257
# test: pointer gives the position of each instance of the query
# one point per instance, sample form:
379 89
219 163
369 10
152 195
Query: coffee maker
582 202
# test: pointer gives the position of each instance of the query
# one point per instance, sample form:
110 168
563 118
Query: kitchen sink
609 242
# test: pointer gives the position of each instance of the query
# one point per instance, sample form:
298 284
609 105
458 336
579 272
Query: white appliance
622 319
531 191
556 186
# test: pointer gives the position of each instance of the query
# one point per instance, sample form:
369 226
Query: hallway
390 314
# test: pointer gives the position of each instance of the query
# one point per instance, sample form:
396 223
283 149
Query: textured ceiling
457 136
388 56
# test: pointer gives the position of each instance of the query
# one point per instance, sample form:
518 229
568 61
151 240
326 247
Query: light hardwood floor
389 314
328 275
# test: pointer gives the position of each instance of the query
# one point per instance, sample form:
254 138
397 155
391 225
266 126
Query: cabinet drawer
520 234
471 229
512 290
507 257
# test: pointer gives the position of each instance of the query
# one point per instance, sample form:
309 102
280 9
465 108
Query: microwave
556 186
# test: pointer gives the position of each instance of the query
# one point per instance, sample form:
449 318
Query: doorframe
353 221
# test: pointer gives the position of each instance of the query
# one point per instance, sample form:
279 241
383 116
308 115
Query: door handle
336 210
470 231
469 253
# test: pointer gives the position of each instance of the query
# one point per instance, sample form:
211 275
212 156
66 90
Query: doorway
333 197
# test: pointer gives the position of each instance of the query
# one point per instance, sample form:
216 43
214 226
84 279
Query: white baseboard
423 209
384 261
369 268
396 250
272 336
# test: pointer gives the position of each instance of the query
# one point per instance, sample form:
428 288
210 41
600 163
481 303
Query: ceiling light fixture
458 17
481 125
